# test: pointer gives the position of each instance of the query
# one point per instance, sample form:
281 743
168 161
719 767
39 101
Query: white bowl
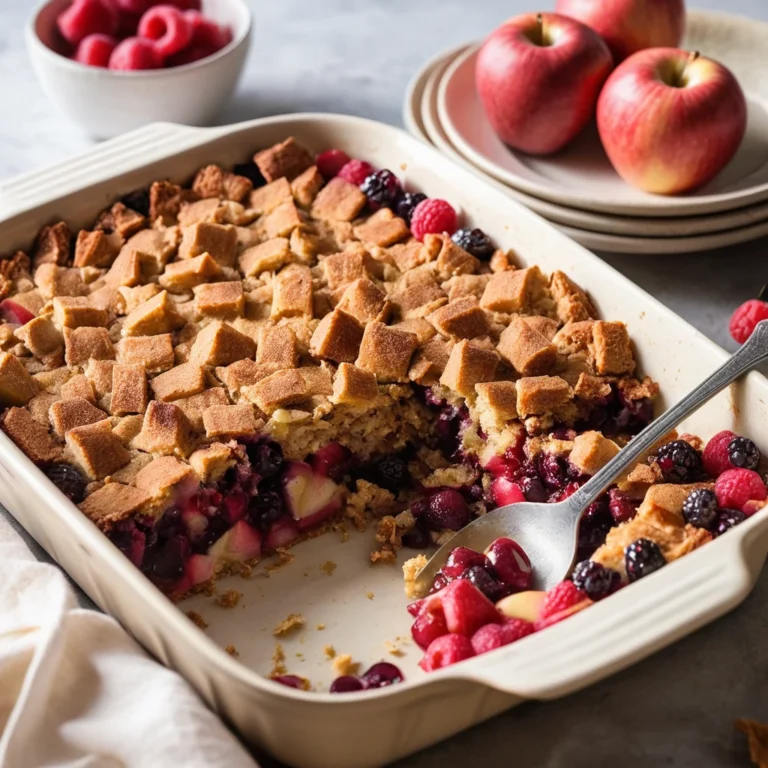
106 103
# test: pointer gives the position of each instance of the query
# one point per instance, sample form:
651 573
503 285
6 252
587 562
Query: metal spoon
549 532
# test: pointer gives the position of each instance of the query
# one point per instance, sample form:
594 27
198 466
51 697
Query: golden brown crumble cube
546 326
337 338
165 430
221 344
468 365
424 331
430 360
306 185
526 350
408 255
342 268
195 405
52 380
338 200
574 338
41 337
132 298
292 292
181 381
318 379
386 352
382 229
285 387
217 240
612 348
461 286
99 374
265 199
161 474
243 373
165 200
499 398
210 463
32 300
268 256
121 219
451 259
572 304
281 221
156 316
208 209
230 420
129 390
180 276
96 249
154 247
73 412
80 386
511 291
591 388
154 353
113 502
542 394
125 270
418 294
51 281
288 158
354 386
30 435
277 346
220 299
96 450
52 246
592 451
364 300
77 311
84 344
214 181
461 319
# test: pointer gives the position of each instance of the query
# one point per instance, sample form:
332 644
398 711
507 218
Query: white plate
581 175
421 118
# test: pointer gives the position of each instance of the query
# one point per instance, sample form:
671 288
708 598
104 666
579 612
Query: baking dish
362 606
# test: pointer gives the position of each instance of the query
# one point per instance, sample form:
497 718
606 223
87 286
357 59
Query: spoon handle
752 352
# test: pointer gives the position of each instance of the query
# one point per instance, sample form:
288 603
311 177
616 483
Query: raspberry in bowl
115 65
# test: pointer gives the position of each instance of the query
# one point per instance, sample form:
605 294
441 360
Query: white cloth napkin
77 692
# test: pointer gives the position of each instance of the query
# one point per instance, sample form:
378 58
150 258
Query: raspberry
87 17
715 457
595 580
207 34
559 599
167 27
356 172
735 487
330 162
189 55
679 462
474 241
135 53
700 508
95 50
515 629
643 557
433 216
133 6
746 317
743 453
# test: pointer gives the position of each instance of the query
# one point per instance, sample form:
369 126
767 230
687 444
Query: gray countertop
356 56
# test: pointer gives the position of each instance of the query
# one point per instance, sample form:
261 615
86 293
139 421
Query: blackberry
251 171
679 462
138 201
643 557
474 241
743 453
595 579
381 188
264 509
727 519
390 472
266 457
68 480
700 508
406 205
480 578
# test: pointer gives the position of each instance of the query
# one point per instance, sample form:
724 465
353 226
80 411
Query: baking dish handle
632 624
110 158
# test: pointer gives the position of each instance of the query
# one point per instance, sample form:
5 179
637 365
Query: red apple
538 77
670 120
629 26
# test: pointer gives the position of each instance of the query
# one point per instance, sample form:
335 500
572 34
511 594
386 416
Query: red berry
135 53
134 6
429 625
167 27
510 563
561 601
493 636
87 17
516 629
746 317
207 33
185 5
715 458
504 492
330 162
190 54
95 50
433 216
735 487
446 650
355 172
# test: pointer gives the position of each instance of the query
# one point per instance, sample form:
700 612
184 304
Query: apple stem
691 58
540 22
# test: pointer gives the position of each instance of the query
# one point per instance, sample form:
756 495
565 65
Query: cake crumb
392 649
300 656
197 619
291 622
343 665
278 662
328 567
757 735
246 571
232 651
229 599
283 558
411 569
320 626
329 651
369 595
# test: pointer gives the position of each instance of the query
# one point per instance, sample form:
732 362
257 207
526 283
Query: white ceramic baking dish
373 728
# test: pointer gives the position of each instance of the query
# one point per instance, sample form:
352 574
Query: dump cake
218 370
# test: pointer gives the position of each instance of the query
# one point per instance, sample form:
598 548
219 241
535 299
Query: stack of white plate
577 189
